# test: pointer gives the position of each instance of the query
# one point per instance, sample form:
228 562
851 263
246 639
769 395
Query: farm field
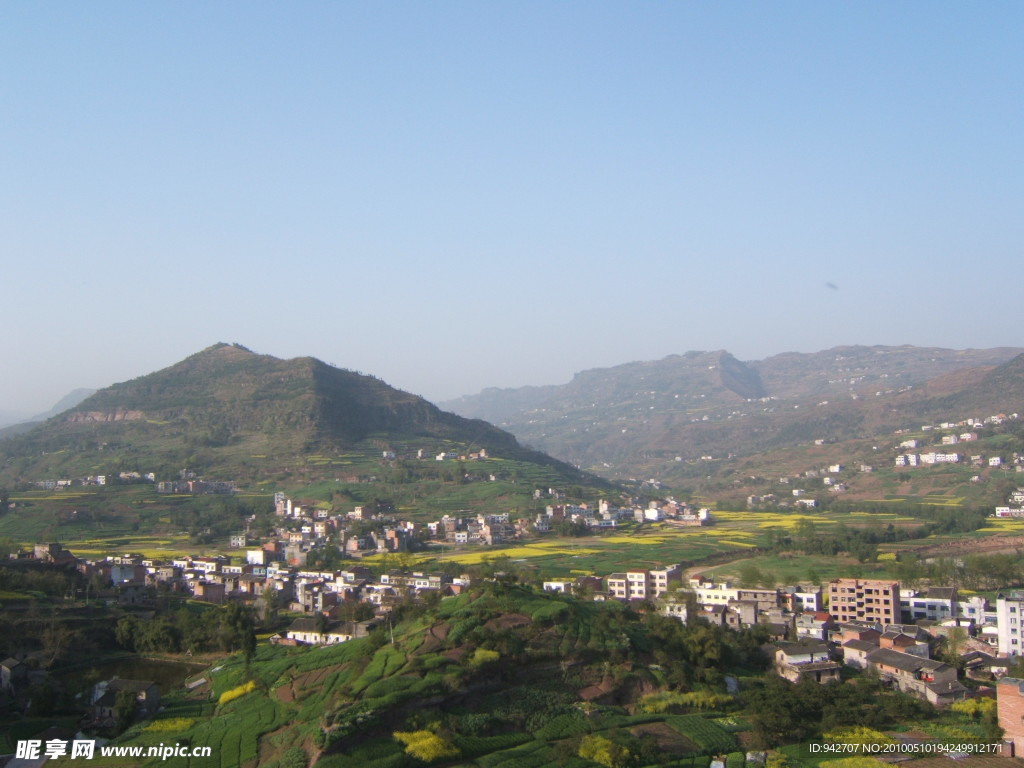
659 544
95 522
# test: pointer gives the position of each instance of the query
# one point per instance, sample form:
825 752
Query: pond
169 675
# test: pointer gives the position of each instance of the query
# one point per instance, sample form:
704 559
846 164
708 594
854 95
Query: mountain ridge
227 401
709 403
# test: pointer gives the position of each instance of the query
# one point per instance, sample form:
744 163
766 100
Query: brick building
865 600
1010 697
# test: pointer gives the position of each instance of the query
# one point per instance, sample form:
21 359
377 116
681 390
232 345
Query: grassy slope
360 692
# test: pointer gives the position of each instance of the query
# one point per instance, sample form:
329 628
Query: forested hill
227 406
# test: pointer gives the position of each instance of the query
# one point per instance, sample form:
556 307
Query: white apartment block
934 603
1009 612
940 458
643 585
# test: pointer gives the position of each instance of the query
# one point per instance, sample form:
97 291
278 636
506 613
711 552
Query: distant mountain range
683 420
11 424
226 406
638 417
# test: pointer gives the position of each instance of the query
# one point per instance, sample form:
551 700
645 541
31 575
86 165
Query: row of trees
978 571
863 542
231 628
784 713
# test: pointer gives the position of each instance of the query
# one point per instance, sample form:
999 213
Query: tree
955 639
238 630
806 536
751 575
270 604
124 633
603 751
57 639
125 707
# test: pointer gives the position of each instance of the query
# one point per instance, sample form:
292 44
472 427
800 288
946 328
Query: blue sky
455 195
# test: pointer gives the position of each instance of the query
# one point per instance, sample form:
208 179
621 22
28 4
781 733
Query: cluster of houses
816 630
305 525
53 485
493 529
834 476
867 624
1014 506
794 612
103 710
187 482
908 457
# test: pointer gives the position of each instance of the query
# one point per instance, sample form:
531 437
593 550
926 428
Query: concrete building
926 679
796 662
1010 698
864 600
643 585
934 604
1009 612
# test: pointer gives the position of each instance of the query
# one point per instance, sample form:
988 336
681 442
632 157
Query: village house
12 674
814 626
643 584
320 631
796 662
797 598
933 681
865 600
102 712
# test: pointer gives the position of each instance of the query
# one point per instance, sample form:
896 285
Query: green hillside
229 413
507 677
500 676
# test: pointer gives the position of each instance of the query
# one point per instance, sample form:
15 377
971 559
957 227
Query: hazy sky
453 195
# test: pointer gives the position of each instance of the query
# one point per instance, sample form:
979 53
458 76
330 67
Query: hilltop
235 414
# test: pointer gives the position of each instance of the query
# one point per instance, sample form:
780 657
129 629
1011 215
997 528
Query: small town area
951 649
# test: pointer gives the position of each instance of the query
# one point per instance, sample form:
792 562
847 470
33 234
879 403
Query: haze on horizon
452 196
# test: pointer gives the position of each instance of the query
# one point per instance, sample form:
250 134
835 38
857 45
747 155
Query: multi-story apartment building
867 600
660 580
1009 615
933 603
643 585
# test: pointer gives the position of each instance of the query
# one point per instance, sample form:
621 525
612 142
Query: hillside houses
954 433
896 640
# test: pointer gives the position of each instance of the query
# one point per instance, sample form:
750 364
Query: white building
934 603
1009 612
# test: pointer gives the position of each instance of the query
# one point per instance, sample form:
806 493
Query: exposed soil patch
311 680
508 621
667 738
455 654
285 693
593 692
990 545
